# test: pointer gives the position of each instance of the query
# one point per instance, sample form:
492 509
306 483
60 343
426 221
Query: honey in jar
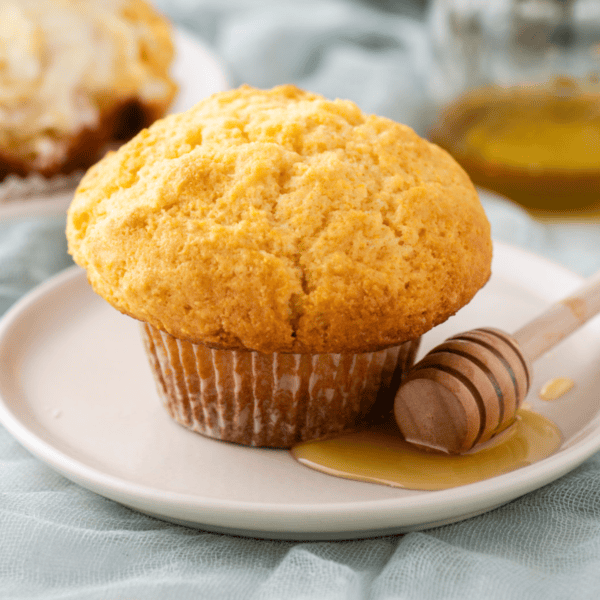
536 144
514 96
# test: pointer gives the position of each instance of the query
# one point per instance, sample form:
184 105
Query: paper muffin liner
272 400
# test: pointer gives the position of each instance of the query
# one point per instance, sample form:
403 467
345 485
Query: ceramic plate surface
75 389
198 73
197 70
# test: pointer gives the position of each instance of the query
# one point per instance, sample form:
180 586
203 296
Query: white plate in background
197 70
75 389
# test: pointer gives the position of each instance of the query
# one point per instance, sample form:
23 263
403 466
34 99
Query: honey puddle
380 455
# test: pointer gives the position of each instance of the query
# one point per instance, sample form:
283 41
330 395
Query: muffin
75 76
284 254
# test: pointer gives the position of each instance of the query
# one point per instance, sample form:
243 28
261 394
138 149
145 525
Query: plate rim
507 487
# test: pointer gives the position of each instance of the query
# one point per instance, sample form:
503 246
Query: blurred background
509 87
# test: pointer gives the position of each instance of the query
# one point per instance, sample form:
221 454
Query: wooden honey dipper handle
468 389
560 320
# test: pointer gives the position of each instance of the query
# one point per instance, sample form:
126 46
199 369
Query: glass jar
516 94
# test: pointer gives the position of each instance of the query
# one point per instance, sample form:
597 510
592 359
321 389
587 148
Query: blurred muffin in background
76 76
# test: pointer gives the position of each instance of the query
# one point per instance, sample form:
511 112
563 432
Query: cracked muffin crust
280 221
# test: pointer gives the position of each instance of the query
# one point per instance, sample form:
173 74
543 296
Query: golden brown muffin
76 75
281 221
276 222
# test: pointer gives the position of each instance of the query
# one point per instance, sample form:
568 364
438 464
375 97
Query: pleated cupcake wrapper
272 400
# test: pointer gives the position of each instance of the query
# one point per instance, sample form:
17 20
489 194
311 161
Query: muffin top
64 62
278 220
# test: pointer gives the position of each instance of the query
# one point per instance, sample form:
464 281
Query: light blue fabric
574 244
31 250
339 48
59 541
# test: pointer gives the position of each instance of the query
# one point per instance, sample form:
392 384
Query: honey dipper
468 389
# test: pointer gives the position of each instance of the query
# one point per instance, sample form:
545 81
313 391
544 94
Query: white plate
197 70
76 391
198 73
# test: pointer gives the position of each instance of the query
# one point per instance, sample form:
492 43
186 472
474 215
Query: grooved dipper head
463 392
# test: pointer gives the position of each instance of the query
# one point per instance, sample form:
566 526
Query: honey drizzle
555 388
380 455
